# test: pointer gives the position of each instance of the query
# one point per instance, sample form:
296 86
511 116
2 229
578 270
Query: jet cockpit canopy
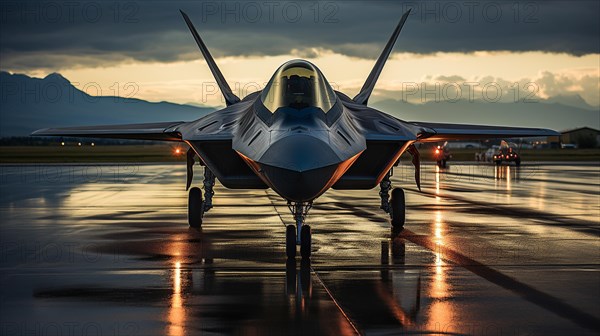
298 84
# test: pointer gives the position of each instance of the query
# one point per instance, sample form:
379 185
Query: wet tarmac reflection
478 252
176 315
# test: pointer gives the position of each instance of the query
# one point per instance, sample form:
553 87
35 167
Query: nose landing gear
398 209
301 234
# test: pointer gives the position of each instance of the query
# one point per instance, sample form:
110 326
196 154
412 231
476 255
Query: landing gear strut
198 206
384 193
209 183
301 235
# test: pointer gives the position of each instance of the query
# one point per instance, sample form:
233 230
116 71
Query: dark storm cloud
60 34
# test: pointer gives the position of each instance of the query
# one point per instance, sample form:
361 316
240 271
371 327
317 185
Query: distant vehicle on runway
441 155
508 152
488 156
300 138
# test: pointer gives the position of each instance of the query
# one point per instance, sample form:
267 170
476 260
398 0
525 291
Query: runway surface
105 250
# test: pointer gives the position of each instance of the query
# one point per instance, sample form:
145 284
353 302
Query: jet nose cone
300 153
300 167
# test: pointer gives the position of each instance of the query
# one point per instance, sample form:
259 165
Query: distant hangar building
583 137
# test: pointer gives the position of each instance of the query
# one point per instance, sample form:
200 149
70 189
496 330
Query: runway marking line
512 211
527 292
337 304
313 271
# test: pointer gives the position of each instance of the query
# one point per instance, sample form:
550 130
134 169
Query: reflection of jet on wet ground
300 138
392 299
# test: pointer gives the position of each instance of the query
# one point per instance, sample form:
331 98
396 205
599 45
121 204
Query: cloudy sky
494 50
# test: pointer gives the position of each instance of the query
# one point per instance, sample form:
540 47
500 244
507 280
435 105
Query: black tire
498 162
439 164
290 241
443 163
195 207
305 241
398 208
518 163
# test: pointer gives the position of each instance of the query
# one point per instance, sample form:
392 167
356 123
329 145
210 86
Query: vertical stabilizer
365 92
230 97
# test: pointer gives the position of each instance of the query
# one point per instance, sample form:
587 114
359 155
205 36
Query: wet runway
105 250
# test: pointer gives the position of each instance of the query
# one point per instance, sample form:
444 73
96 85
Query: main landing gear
299 235
198 206
396 207
398 210
195 207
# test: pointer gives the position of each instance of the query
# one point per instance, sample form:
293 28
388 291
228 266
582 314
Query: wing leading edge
433 132
165 131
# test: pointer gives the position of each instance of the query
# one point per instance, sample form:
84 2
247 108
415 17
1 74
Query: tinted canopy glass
298 84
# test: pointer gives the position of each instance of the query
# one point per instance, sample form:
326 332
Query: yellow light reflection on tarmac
121 187
176 315
503 176
175 247
439 243
537 200
508 180
437 180
441 312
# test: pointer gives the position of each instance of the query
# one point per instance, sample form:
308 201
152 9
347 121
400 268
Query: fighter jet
299 137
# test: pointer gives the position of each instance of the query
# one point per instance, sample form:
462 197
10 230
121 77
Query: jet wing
434 132
166 131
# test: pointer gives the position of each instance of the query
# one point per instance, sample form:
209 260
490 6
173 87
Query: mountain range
558 113
28 103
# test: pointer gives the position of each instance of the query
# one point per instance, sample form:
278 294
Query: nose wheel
300 234
290 242
305 241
